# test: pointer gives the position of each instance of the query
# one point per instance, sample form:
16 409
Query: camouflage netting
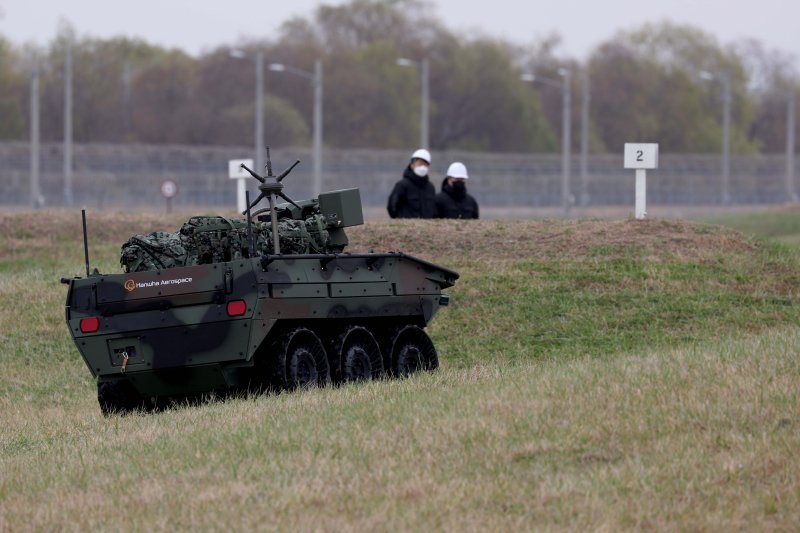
214 239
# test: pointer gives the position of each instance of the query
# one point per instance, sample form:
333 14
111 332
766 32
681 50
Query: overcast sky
198 25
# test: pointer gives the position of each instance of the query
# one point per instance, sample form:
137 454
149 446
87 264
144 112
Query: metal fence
113 175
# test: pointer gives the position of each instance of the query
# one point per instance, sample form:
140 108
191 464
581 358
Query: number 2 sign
640 155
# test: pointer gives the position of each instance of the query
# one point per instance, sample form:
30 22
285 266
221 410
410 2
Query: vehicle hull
172 332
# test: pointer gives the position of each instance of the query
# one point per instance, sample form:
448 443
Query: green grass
599 307
781 226
621 388
695 438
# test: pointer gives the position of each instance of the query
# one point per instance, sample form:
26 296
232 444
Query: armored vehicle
271 302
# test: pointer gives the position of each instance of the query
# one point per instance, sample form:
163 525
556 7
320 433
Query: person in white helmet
414 195
454 201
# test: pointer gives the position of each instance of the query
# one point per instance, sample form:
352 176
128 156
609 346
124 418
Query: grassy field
782 225
595 375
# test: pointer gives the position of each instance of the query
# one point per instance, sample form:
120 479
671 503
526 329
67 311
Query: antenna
251 245
85 241
270 189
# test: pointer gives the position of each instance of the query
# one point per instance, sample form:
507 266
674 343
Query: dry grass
489 240
480 240
698 439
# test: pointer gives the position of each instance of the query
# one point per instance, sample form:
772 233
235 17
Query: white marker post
236 172
168 190
641 156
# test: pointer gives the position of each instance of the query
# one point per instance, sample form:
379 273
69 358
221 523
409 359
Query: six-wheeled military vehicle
271 302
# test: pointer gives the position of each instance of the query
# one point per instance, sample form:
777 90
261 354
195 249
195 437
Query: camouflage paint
168 332
177 319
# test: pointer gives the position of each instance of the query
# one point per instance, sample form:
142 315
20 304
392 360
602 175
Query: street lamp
725 79
585 102
316 81
36 193
68 123
790 140
424 69
259 113
566 133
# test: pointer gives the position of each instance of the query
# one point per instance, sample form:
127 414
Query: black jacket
450 204
412 197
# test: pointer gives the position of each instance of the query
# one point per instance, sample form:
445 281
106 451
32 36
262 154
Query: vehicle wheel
118 397
301 361
356 356
412 351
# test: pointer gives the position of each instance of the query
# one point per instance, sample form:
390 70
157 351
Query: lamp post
36 195
585 138
68 124
127 80
791 192
566 134
725 79
259 103
424 69
316 81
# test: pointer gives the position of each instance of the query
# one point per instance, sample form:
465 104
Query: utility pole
566 130
317 141
424 82
726 138
34 139
585 139
791 192
68 123
127 77
566 136
316 84
425 78
259 118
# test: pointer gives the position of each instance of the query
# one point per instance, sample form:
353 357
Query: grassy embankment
781 225
595 375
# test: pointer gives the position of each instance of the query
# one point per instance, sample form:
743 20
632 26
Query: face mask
421 171
459 186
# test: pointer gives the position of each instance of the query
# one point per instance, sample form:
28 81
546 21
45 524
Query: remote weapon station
268 303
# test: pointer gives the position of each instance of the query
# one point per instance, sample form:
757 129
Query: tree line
657 83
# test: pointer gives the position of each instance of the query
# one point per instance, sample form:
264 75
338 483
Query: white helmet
422 154
457 170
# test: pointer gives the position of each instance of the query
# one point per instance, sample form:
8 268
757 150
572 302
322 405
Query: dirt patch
482 240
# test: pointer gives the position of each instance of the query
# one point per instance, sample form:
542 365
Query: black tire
412 351
118 397
300 361
356 356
